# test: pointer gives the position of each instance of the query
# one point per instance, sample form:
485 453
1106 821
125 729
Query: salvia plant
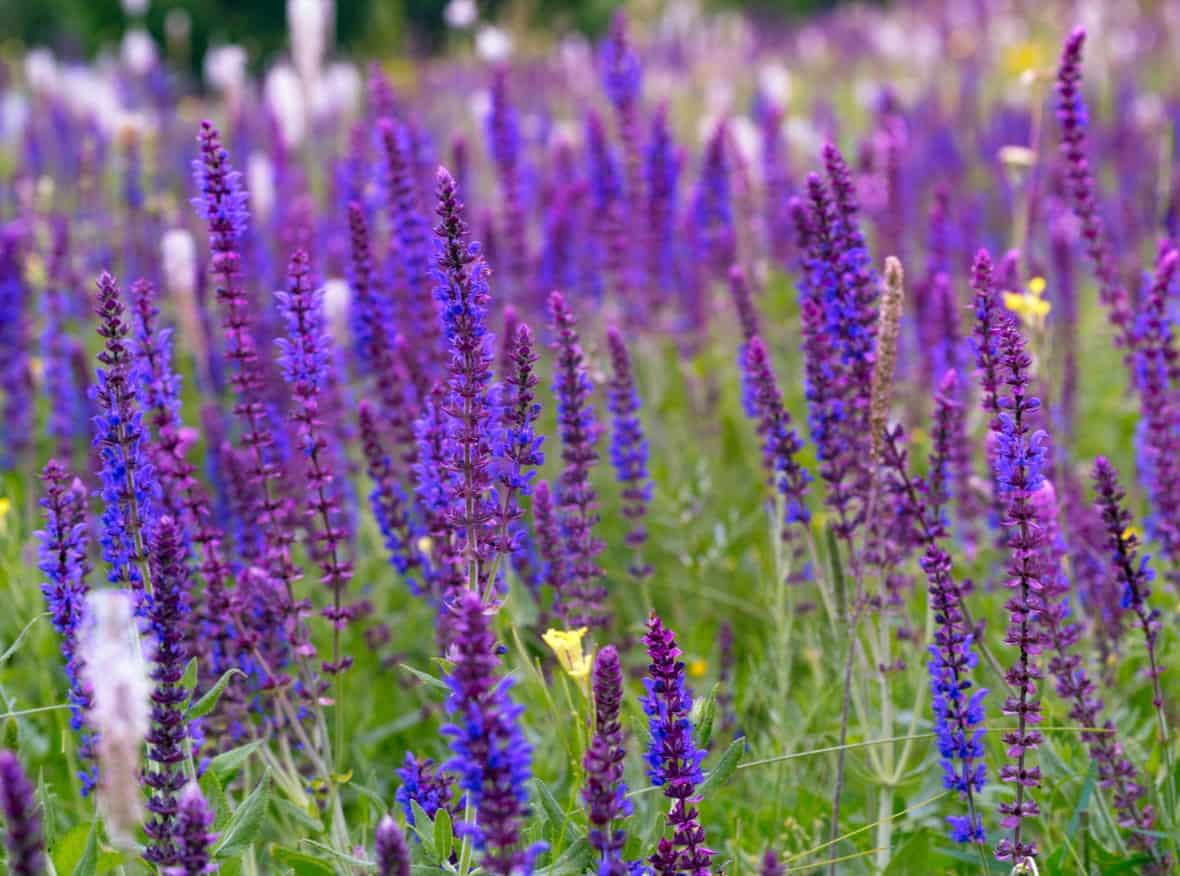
738 446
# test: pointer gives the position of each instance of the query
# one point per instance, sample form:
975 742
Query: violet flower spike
549 540
628 447
221 201
193 835
425 784
581 599
1080 186
490 754
389 844
129 490
167 613
519 454
674 761
16 379
463 297
388 501
1017 468
958 711
305 357
605 793
62 558
22 821
780 443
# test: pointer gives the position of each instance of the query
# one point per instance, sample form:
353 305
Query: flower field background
732 446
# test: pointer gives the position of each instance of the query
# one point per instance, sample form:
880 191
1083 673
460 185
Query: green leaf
299 814
444 837
911 857
301 863
425 677
68 851
577 859
704 729
214 795
725 768
208 702
350 861
227 764
1083 801
552 810
15 646
87 864
246 823
424 827
188 681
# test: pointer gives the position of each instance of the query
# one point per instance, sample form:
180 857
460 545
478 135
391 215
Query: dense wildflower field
729 447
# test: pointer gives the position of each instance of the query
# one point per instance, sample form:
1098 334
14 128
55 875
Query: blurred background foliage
364 28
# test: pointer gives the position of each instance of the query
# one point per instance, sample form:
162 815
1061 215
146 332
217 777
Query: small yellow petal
698 668
1037 286
5 505
567 646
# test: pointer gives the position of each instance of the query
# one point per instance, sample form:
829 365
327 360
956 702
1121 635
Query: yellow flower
425 545
1023 57
698 668
1030 305
5 507
567 645
1133 532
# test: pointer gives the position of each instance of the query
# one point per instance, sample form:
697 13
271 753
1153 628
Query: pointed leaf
246 823
725 768
208 702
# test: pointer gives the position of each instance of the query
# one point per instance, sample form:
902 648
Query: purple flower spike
62 558
193 836
1134 574
628 446
463 299
622 73
412 233
712 208
605 794
958 711
221 201
1017 468
490 754
674 761
1080 187
662 163
305 358
1153 358
424 784
519 453
549 543
581 597
22 822
770 865
780 443
388 500
393 855
167 612
16 381
129 487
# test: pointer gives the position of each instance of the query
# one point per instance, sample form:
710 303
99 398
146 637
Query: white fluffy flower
138 51
260 183
461 14
492 44
308 22
225 69
41 70
285 97
117 674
